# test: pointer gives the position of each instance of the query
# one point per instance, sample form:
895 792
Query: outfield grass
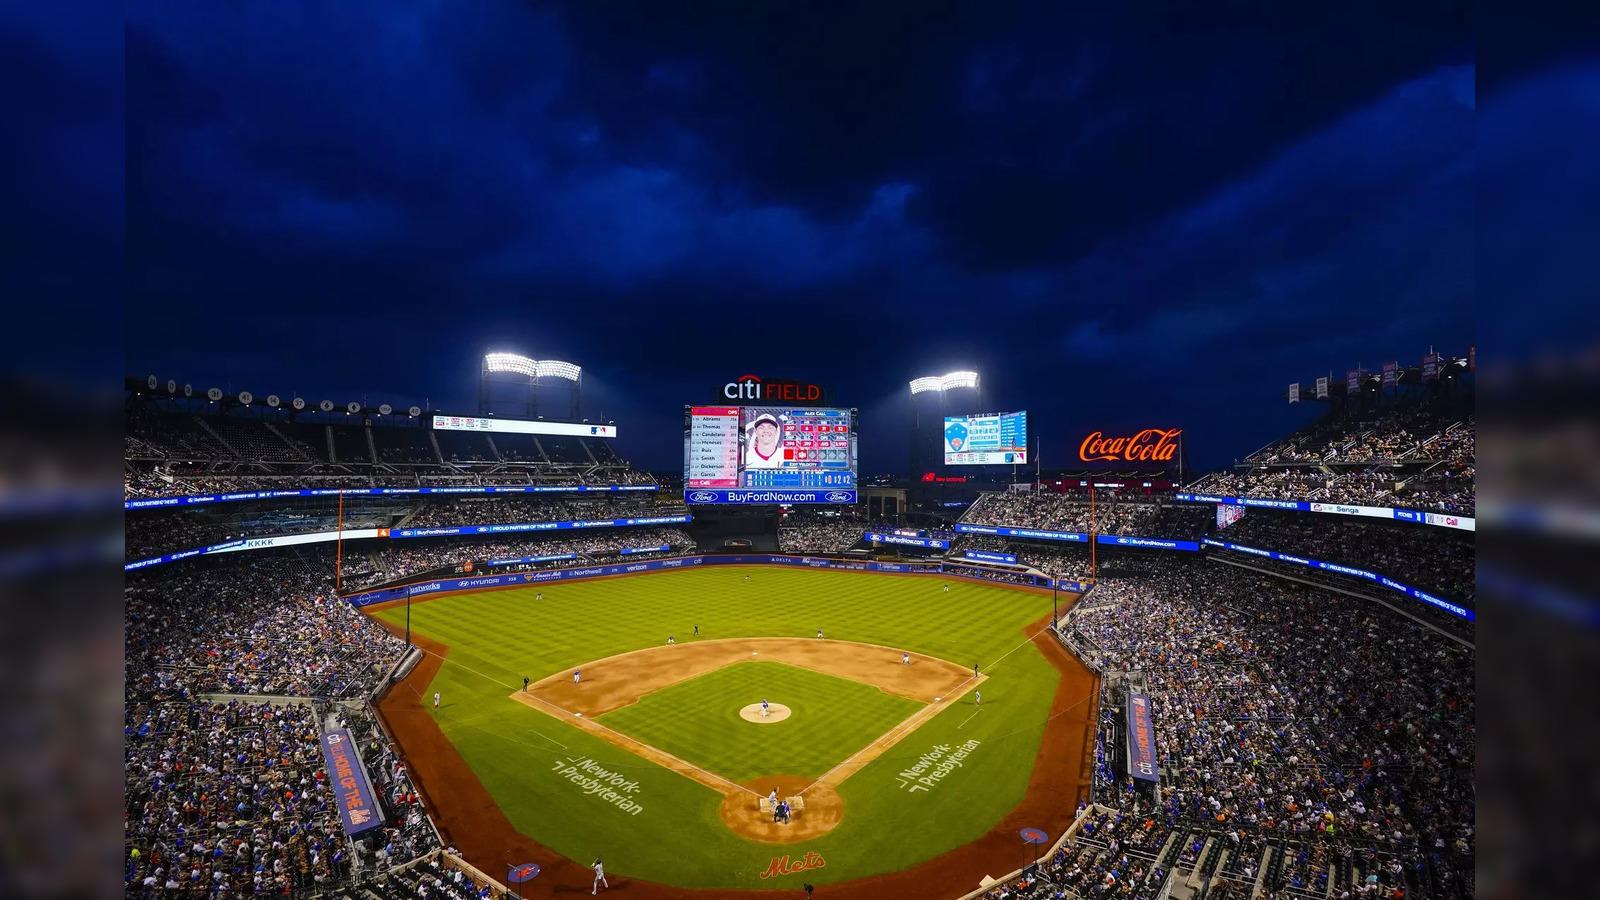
497 637
830 719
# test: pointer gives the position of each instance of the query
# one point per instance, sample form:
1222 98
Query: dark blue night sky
1120 218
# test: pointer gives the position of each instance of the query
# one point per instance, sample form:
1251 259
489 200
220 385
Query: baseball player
671 639
539 595
697 631
764 712
773 798
905 658
436 700
947 587
599 877
577 675
974 670
819 634
524 684
747 578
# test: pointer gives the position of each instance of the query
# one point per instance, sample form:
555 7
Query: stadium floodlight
517 364
510 362
948 381
556 369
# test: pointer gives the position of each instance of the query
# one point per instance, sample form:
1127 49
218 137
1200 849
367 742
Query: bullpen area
880 765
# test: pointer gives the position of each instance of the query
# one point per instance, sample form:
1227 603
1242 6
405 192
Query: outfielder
539 595
697 631
599 877
977 698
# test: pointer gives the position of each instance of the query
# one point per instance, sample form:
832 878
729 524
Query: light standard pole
408 617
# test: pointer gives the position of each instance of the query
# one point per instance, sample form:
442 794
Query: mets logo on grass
781 865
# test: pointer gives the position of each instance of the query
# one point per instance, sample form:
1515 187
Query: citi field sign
1149 445
755 389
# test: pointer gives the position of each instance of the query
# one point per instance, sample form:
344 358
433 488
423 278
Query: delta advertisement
358 806
1443 520
158 502
1389 583
480 582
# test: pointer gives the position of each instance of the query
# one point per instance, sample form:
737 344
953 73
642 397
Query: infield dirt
471 820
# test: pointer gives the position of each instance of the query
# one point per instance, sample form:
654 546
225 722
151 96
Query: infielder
974 670
764 715
904 658
577 675
599 877
819 634
671 639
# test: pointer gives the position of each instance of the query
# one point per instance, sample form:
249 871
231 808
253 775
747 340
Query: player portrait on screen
763 443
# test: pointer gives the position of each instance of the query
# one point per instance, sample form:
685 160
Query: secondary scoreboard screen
769 454
1000 439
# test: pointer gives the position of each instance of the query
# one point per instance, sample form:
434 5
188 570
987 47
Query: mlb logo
594 429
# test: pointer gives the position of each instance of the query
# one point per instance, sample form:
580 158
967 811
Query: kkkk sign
755 389
1149 445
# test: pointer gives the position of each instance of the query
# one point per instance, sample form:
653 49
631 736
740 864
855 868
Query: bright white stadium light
510 362
556 369
533 368
948 381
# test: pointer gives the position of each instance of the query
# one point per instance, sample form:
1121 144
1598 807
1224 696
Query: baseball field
658 761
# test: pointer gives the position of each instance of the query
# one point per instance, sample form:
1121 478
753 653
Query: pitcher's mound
776 712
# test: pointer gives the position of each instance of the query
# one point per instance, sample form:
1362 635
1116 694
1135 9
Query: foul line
623 742
489 678
970 718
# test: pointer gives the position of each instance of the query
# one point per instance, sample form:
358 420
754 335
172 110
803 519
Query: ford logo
839 497
702 497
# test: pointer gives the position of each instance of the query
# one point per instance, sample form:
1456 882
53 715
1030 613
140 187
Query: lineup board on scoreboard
1000 439
769 454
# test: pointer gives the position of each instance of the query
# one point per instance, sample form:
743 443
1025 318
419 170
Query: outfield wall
966 571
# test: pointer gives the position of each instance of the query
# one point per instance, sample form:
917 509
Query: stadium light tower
529 375
931 391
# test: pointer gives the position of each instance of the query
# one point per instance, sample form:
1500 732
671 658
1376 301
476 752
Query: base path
616 681
471 820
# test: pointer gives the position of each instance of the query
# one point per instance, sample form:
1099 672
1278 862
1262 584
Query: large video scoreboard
769 454
1000 439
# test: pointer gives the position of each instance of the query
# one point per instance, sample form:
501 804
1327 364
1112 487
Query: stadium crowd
229 795
1110 513
1437 560
263 625
1412 457
391 563
1340 734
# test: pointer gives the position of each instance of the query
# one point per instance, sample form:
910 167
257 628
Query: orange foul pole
338 550
1093 574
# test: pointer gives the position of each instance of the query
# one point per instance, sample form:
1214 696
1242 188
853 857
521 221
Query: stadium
384 651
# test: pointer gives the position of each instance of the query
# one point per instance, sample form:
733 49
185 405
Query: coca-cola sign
1149 445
